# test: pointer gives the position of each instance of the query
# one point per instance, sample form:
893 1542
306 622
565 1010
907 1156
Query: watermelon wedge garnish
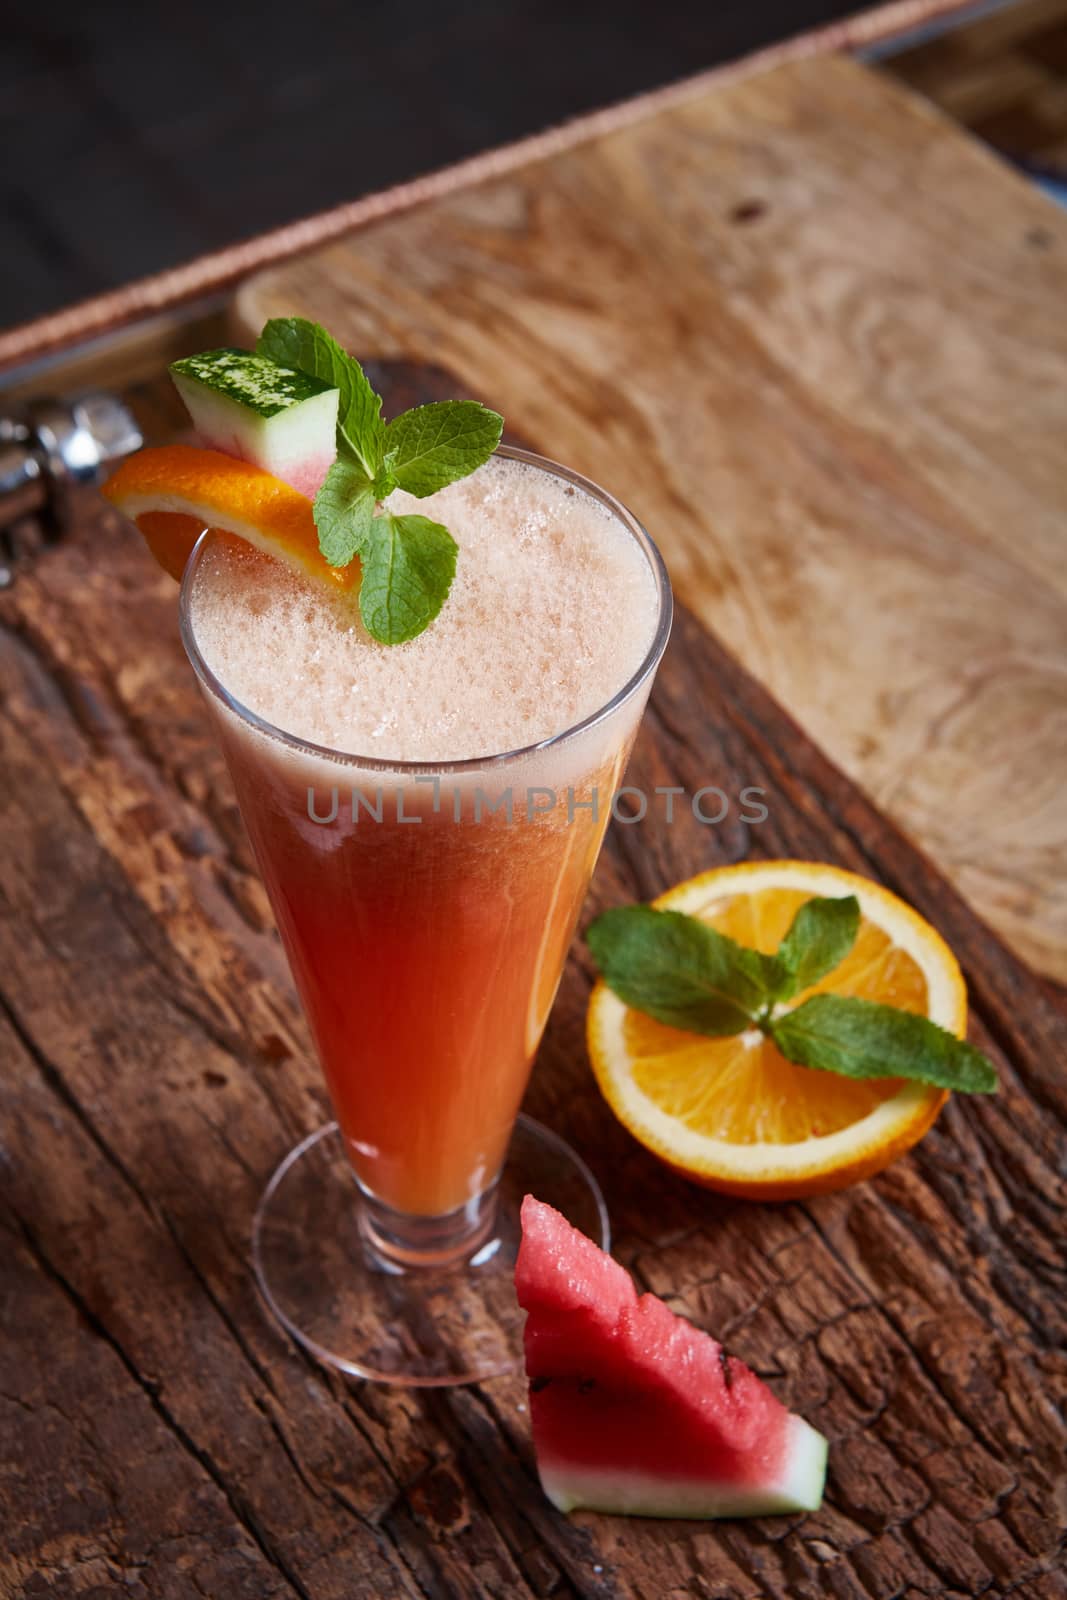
636 1410
250 407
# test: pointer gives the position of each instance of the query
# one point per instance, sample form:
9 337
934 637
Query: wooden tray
162 1438
815 336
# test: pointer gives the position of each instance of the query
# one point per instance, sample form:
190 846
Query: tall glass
426 910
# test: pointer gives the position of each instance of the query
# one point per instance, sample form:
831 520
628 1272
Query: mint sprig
408 562
684 973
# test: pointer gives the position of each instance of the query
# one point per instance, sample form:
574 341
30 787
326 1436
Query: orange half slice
175 492
733 1113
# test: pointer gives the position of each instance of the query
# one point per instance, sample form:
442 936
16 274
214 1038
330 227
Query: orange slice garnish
733 1113
175 492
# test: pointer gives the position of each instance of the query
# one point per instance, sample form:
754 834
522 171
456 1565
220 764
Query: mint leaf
820 937
678 970
408 567
861 1039
344 511
436 444
296 342
384 482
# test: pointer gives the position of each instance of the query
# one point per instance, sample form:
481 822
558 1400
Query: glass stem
401 1242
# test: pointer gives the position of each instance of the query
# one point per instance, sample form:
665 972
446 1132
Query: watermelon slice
636 1410
250 407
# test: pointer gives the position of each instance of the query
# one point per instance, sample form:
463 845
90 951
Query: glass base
318 1268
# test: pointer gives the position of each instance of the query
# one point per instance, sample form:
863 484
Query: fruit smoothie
426 882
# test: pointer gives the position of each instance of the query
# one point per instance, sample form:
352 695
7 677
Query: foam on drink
552 611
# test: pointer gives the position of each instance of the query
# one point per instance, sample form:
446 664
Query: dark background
133 140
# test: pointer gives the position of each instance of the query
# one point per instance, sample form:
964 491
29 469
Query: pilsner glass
426 909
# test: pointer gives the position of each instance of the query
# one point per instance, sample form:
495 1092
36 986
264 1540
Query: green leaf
861 1039
678 970
408 567
344 511
384 482
820 937
295 342
437 444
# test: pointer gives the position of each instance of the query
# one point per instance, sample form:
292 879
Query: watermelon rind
247 406
799 1486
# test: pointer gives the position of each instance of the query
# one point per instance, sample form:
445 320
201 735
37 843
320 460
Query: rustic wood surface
161 1438
815 336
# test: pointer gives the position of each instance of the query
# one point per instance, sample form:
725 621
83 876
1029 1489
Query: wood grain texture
162 1438
1003 74
815 336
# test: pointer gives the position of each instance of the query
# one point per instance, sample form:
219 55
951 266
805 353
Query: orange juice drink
426 816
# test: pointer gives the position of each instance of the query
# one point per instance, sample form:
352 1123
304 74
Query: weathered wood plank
814 335
166 1526
161 1070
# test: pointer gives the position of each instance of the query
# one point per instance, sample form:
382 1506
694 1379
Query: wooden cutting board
161 1438
816 337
